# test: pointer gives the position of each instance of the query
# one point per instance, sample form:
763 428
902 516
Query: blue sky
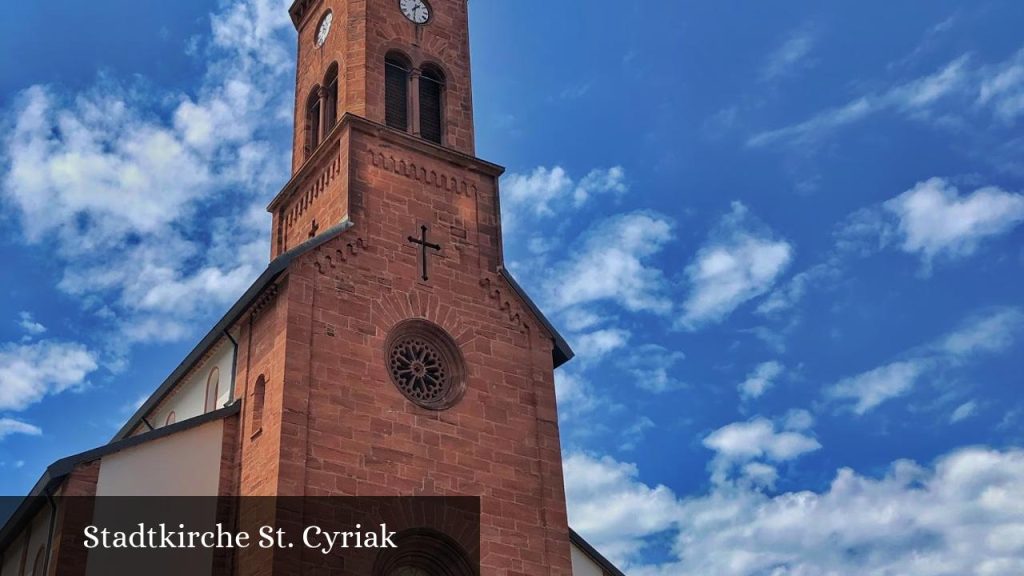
786 241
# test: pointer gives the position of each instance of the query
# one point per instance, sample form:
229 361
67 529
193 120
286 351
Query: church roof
56 472
59 470
273 271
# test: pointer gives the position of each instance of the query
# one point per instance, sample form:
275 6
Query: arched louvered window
396 91
432 104
330 98
313 121
171 418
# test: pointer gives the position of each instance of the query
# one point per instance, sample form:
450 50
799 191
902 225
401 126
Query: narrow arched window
258 394
212 390
396 92
171 418
313 121
330 99
432 104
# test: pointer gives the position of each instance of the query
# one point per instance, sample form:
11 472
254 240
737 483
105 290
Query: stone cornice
350 122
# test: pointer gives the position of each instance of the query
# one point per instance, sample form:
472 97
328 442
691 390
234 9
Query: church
385 351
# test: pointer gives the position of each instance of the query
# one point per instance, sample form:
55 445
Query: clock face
325 29
416 10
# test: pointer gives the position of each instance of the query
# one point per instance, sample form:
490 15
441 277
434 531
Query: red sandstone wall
346 429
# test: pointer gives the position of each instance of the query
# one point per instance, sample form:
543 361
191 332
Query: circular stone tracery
425 364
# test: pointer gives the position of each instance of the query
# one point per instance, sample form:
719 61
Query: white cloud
613 265
579 319
740 262
653 368
759 438
10 426
910 98
961 516
534 193
30 372
790 56
594 346
612 508
547 191
935 220
871 389
963 412
28 323
990 332
1002 89
634 434
123 196
760 380
987 333
612 180
577 397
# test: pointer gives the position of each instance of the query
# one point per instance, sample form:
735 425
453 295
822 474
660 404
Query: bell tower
394 354
351 53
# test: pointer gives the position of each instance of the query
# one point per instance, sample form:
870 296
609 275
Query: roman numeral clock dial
417 11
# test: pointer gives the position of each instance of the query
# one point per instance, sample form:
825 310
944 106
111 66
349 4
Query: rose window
425 365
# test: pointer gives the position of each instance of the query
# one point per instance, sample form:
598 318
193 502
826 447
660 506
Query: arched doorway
423 552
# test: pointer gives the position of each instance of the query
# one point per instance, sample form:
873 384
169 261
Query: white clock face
416 10
325 29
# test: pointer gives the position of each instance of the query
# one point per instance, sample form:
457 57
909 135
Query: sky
786 241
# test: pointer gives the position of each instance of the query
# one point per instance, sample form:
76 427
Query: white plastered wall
183 464
582 565
186 463
188 399
37 532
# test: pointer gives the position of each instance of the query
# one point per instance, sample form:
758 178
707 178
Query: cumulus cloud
30 372
612 508
546 191
9 426
614 266
935 220
594 346
960 516
28 323
760 380
759 438
577 397
740 262
120 179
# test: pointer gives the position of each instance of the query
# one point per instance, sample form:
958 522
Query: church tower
393 354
